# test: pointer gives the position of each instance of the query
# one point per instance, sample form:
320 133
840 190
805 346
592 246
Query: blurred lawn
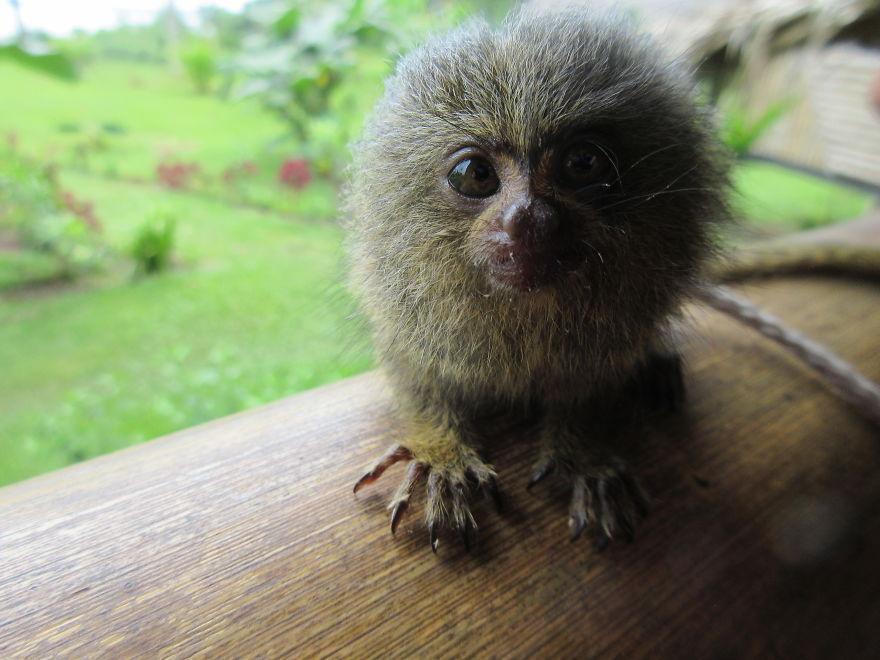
255 308
780 199
122 119
255 311
150 115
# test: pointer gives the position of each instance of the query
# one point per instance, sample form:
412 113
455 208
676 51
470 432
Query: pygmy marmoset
530 206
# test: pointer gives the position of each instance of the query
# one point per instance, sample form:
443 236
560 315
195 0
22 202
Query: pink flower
176 175
295 173
85 211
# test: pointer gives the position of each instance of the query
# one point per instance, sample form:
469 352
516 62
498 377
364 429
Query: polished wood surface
242 537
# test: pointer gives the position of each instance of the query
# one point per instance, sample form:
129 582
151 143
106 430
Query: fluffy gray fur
448 339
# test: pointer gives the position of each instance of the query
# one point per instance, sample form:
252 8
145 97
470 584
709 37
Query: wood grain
242 537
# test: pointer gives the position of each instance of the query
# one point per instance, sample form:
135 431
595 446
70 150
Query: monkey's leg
659 383
606 496
440 455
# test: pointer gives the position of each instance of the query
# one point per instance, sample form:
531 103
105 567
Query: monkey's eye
584 164
474 177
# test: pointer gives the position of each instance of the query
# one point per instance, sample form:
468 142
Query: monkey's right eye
474 177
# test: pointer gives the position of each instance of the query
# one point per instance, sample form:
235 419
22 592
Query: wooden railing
242 537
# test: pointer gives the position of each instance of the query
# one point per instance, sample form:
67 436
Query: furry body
453 336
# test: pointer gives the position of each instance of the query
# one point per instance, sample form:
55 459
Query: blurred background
169 178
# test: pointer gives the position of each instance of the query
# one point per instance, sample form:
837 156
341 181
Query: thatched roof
734 28
704 29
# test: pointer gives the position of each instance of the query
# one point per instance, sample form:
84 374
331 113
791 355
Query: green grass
253 309
786 200
121 120
151 116
25 266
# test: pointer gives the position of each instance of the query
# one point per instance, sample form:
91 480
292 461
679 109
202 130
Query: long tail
860 391
861 262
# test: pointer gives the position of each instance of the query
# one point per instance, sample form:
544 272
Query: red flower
85 211
176 175
295 173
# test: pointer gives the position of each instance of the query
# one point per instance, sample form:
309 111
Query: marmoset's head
559 154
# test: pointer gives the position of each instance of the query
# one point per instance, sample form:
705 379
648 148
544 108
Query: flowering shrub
82 209
295 173
239 170
40 221
177 175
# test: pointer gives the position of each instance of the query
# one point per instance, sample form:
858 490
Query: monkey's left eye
474 177
584 164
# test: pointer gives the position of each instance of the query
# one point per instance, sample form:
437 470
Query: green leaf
357 12
287 22
53 64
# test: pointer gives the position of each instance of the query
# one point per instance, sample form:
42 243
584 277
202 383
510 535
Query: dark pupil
474 177
581 162
481 171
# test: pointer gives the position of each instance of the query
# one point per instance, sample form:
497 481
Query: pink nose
530 220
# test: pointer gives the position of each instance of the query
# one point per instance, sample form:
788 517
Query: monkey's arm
580 443
441 449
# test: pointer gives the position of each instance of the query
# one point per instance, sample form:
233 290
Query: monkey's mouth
513 266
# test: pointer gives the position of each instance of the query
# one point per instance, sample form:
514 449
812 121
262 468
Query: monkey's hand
605 495
452 472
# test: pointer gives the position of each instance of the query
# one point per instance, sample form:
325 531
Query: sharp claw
639 497
492 488
460 512
397 514
607 518
602 492
394 454
542 471
577 512
626 525
432 536
400 503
